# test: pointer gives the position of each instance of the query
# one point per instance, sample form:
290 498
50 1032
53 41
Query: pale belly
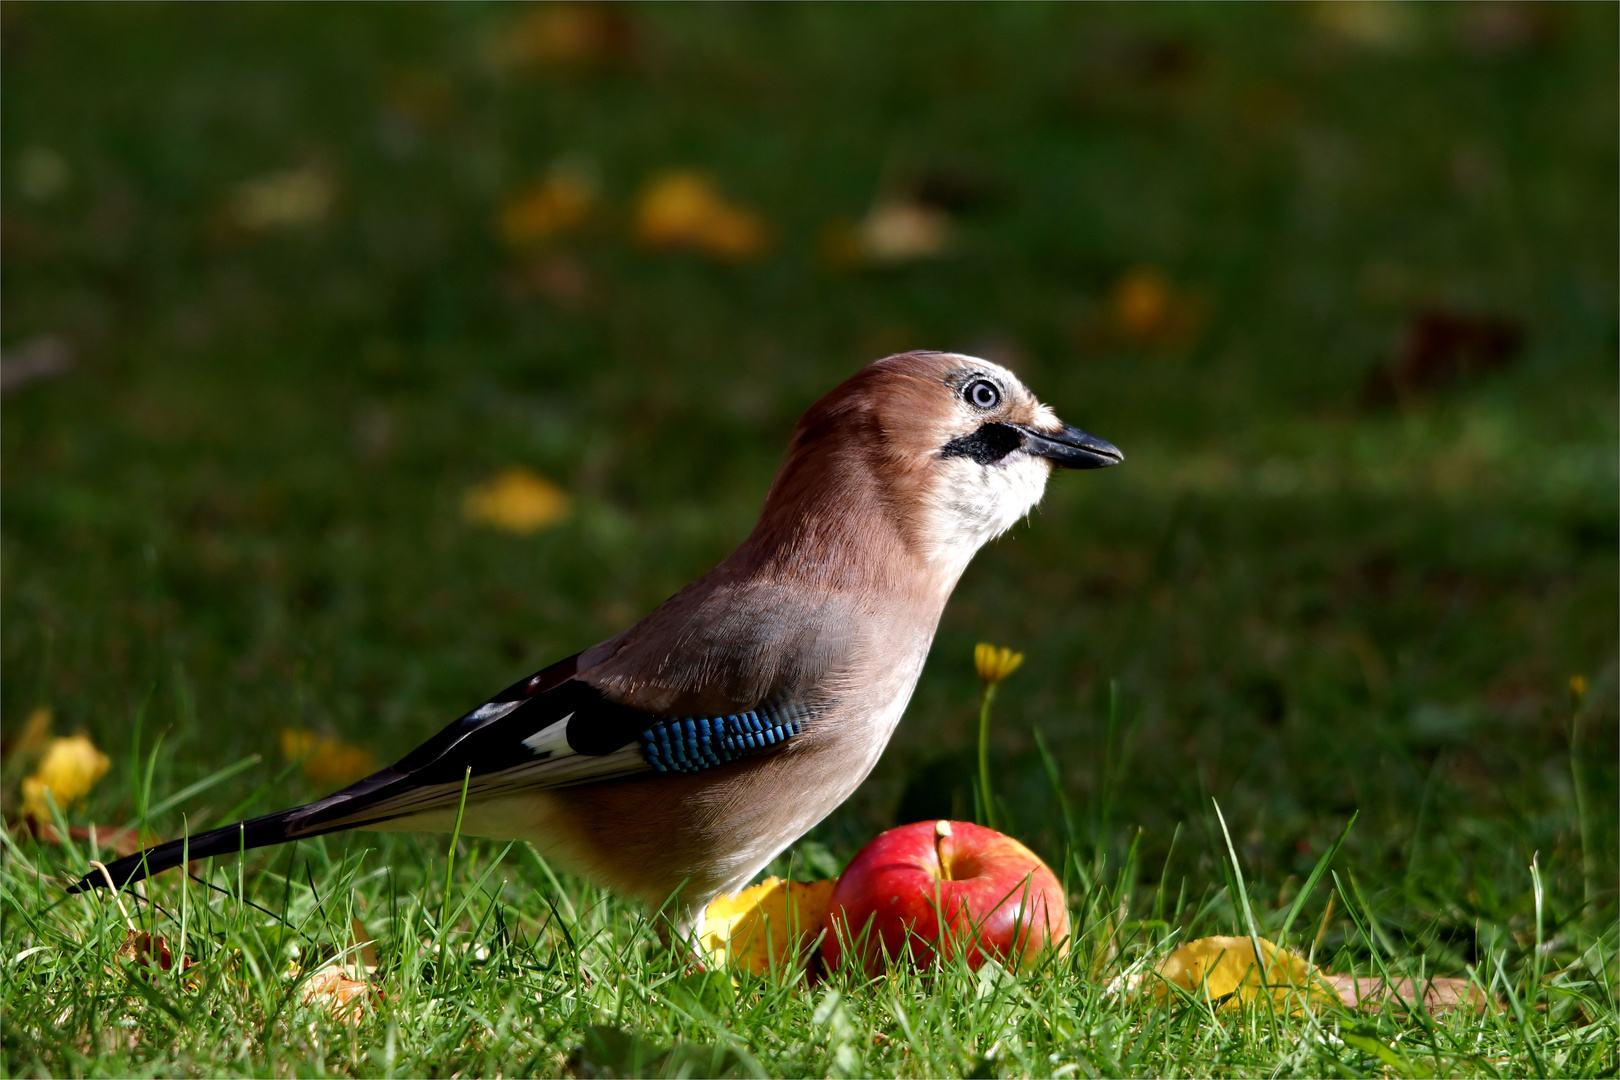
649 837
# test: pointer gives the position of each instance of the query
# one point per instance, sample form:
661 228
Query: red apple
944 888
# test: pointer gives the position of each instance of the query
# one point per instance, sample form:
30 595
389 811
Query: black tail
255 833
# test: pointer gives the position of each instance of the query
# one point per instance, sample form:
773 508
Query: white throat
972 504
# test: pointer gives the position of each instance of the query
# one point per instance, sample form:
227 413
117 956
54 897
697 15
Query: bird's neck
837 520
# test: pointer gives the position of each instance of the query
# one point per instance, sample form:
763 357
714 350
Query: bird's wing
552 730
547 731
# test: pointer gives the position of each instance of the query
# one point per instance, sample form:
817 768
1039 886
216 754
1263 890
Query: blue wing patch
691 744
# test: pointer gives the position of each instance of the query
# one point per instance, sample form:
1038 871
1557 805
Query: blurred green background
281 283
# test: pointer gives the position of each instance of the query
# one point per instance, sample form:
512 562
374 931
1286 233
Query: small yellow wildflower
70 768
995 662
1577 687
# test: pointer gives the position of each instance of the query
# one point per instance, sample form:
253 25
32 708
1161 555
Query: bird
672 762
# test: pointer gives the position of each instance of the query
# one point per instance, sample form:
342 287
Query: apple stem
942 829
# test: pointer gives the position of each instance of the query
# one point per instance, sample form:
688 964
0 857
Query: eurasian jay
676 759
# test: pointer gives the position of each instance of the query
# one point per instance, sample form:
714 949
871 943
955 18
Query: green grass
240 512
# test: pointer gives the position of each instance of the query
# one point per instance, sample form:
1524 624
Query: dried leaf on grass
894 231
343 997
570 37
516 500
1443 349
34 737
767 927
69 769
143 949
684 209
1149 310
1224 969
1437 995
107 838
286 199
326 759
559 202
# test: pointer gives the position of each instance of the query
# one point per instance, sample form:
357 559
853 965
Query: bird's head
950 449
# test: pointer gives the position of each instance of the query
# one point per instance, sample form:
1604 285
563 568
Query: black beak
1070 448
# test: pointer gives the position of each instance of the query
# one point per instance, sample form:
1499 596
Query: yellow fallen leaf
766 927
326 760
1224 967
516 500
283 199
69 770
683 209
561 201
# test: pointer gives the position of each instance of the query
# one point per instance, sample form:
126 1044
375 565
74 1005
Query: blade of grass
450 861
1243 895
1310 882
219 776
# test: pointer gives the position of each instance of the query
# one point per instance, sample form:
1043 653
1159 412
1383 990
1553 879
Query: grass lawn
1341 283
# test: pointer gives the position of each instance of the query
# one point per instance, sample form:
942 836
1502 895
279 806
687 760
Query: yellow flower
326 760
1224 967
681 208
995 662
516 500
1577 687
69 770
765 928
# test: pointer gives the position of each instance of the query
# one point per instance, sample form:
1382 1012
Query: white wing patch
551 740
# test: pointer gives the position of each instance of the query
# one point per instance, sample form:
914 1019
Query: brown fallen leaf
120 841
1442 349
326 759
570 36
1438 995
557 203
142 949
559 278
1149 310
367 946
343 997
33 738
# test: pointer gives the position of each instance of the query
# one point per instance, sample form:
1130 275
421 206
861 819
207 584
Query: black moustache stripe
989 444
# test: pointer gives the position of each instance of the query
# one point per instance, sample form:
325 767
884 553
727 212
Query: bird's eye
982 394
